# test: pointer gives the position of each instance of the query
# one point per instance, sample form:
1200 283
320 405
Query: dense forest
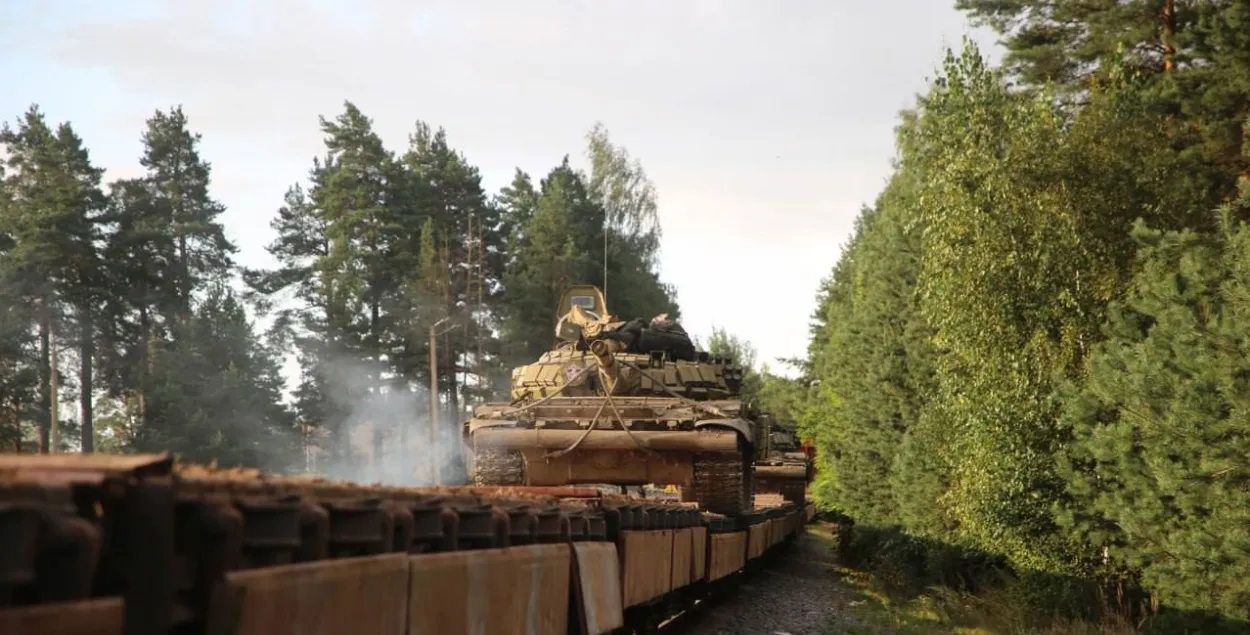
1036 344
126 323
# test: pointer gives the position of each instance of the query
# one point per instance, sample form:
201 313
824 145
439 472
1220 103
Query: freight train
142 545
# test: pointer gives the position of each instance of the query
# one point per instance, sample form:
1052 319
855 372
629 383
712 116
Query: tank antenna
605 261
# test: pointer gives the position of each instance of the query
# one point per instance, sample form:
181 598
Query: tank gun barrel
607 362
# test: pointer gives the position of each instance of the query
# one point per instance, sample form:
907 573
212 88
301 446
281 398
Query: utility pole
436 479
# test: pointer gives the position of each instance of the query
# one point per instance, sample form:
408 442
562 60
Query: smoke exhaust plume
378 429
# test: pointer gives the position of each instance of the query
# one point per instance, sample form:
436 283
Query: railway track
139 545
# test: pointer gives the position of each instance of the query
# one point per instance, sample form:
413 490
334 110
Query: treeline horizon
131 289
1036 344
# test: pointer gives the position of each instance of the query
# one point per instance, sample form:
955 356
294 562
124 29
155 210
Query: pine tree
1156 464
345 250
549 255
517 203
178 180
1192 54
18 347
575 229
167 244
472 234
54 225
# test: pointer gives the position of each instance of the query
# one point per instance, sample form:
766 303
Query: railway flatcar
140 545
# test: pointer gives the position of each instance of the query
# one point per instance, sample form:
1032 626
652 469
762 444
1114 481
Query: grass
867 607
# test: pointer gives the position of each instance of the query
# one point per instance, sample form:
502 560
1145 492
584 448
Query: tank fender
741 426
475 424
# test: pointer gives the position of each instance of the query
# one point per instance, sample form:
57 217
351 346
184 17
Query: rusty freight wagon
139 545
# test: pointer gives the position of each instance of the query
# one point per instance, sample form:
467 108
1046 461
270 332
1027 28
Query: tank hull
703 449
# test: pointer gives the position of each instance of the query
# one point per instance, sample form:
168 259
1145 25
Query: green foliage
1160 430
782 396
999 364
1191 55
216 394
52 224
573 229
726 344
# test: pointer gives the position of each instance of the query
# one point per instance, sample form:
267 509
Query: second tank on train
783 467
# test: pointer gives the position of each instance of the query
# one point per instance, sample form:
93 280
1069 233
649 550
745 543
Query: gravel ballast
798 594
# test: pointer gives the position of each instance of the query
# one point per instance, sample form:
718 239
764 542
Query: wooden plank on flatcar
85 617
361 596
598 587
683 557
508 591
699 549
757 537
728 554
111 463
646 565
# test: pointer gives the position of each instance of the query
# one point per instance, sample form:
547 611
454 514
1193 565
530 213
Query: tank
621 403
782 466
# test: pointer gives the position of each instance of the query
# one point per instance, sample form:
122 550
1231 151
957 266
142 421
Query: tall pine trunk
184 282
45 378
86 352
375 315
54 392
17 425
145 365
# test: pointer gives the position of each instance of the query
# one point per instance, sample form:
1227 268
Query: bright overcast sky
764 125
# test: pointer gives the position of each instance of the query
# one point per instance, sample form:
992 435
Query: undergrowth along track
139 545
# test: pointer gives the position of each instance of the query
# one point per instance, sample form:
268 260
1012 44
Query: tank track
498 467
721 485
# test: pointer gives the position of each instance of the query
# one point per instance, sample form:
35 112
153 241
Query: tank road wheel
498 467
721 484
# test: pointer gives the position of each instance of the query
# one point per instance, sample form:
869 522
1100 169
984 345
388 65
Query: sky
765 126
